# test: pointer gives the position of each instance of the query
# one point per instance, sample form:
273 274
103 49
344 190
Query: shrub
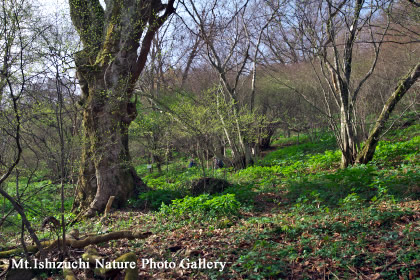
208 185
201 207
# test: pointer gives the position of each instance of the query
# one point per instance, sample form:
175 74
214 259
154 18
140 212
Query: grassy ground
294 215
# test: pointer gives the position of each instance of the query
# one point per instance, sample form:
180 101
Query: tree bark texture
107 69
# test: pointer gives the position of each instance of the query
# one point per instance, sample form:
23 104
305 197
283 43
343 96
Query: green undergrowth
365 238
361 183
393 153
205 209
300 152
292 215
296 213
39 198
308 171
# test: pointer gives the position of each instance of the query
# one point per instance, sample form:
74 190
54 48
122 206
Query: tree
232 36
17 35
107 69
366 154
154 127
343 35
339 62
336 34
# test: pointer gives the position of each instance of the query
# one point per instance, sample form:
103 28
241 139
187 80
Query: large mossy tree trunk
366 154
106 169
107 69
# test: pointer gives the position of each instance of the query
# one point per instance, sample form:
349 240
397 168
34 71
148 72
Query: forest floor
271 244
294 215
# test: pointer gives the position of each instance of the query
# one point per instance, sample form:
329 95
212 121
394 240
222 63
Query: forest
219 139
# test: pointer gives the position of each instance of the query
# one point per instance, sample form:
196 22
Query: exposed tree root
74 243
108 205
5 268
18 251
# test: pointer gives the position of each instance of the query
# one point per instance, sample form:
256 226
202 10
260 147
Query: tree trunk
347 137
404 85
86 185
346 150
106 169
267 132
107 69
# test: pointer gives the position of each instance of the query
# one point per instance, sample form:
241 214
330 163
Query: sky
52 6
